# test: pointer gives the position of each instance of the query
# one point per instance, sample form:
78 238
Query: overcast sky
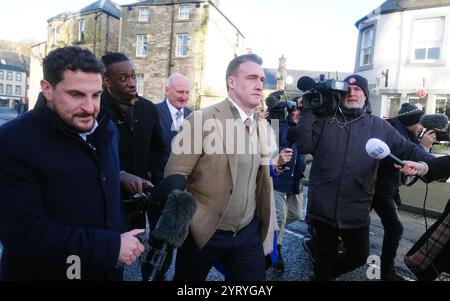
311 34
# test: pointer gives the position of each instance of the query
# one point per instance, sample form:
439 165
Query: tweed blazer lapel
222 114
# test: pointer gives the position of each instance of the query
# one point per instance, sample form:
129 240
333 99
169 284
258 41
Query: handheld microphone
139 203
170 232
379 150
292 137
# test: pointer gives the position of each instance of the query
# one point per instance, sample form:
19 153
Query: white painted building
403 51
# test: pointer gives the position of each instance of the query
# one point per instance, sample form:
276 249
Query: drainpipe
98 14
169 66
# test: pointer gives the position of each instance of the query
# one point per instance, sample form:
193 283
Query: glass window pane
433 53
420 54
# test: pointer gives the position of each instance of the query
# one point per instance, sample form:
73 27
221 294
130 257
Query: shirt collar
242 114
172 109
85 134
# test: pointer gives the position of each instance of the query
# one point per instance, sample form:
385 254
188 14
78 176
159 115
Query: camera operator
387 198
342 178
286 183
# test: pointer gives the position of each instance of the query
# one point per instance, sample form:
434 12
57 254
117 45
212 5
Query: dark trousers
386 208
242 255
329 264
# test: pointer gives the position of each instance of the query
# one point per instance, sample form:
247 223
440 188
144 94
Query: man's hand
130 247
133 183
263 115
284 157
412 168
428 139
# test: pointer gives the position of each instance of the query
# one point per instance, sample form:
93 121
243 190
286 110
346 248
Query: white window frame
18 77
9 75
140 83
81 29
143 14
8 88
56 33
391 105
424 39
184 13
182 45
18 87
366 47
141 45
2 76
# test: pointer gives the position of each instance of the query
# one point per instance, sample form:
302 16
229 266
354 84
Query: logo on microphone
376 152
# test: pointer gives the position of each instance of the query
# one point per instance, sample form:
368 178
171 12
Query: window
184 12
428 36
1 88
56 34
443 104
8 75
182 45
140 83
391 106
81 29
143 15
421 103
1 74
141 45
18 76
18 90
9 89
3 62
366 50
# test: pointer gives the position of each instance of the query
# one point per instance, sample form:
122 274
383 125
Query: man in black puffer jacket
343 176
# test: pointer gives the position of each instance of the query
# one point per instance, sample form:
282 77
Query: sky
315 35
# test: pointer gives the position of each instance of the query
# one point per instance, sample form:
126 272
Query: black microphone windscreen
165 187
305 83
271 102
293 135
173 225
434 121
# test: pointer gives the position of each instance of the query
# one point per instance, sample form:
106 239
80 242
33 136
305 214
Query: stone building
192 37
96 27
14 70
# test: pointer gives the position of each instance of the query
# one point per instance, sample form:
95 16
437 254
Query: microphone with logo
170 232
378 149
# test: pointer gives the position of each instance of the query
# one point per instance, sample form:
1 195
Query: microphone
271 102
305 83
438 123
170 232
139 203
379 150
292 137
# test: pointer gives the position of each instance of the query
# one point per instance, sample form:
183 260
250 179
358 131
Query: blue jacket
289 180
343 176
165 120
59 197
